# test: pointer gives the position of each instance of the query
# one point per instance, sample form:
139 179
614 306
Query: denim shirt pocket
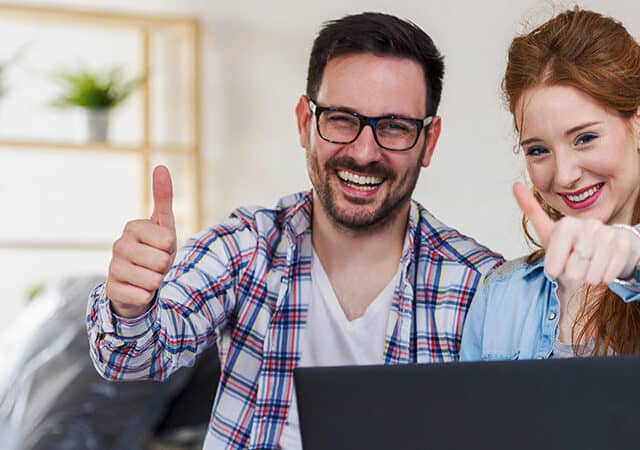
501 356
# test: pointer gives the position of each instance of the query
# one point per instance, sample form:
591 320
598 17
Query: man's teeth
585 195
359 181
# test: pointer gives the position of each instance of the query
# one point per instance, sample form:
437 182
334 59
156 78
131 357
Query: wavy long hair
596 55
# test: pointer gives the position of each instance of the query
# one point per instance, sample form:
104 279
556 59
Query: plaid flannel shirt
245 285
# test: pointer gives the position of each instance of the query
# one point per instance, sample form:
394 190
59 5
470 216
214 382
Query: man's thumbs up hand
144 253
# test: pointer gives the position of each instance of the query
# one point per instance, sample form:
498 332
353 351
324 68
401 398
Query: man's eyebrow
340 108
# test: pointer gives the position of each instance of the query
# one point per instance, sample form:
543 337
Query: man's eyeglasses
341 126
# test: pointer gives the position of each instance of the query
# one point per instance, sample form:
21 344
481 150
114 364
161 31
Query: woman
573 87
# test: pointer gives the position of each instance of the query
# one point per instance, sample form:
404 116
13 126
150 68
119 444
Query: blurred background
94 93
216 102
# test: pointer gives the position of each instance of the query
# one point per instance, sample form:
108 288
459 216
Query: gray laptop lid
585 403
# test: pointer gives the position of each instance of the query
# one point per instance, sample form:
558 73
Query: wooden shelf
104 18
146 27
98 147
56 245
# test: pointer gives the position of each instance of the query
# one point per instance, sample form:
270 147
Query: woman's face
583 158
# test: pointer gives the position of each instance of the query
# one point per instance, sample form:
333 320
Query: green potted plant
97 92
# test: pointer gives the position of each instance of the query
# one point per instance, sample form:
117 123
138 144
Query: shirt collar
412 225
535 269
297 214
297 219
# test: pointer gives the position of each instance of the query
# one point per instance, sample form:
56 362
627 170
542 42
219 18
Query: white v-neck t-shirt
329 339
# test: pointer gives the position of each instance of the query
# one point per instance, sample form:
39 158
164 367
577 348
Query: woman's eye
585 138
535 151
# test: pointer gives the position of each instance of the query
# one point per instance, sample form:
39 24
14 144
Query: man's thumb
162 198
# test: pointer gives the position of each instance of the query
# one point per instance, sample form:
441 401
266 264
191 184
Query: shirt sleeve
628 290
189 312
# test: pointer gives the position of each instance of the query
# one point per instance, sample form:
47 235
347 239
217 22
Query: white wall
256 67
254 60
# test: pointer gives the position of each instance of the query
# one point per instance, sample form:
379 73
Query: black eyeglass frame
420 124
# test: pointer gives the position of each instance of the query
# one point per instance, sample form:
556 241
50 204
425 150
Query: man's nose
365 148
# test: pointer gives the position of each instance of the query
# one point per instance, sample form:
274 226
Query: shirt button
552 316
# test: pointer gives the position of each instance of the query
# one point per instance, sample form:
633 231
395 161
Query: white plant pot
98 124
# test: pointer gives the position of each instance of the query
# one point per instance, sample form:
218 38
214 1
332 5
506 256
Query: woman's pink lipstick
587 202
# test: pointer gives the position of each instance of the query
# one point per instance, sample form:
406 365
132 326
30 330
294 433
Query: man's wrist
135 326
129 312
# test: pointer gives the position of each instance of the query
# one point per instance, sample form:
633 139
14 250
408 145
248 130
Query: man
353 272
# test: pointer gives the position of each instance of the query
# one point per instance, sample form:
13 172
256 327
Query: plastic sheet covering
51 396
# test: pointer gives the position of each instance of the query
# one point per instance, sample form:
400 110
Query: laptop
564 404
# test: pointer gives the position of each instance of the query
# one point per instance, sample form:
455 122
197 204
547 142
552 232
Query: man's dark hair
382 35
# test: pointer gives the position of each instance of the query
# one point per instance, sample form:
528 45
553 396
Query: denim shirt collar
533 270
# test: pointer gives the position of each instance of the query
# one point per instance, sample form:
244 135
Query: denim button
552 316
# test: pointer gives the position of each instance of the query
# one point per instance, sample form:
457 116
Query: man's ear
303 116
433 133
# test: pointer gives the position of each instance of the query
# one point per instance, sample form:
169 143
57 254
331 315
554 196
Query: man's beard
361 221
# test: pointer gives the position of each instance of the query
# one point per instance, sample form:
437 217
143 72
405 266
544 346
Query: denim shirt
515 313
